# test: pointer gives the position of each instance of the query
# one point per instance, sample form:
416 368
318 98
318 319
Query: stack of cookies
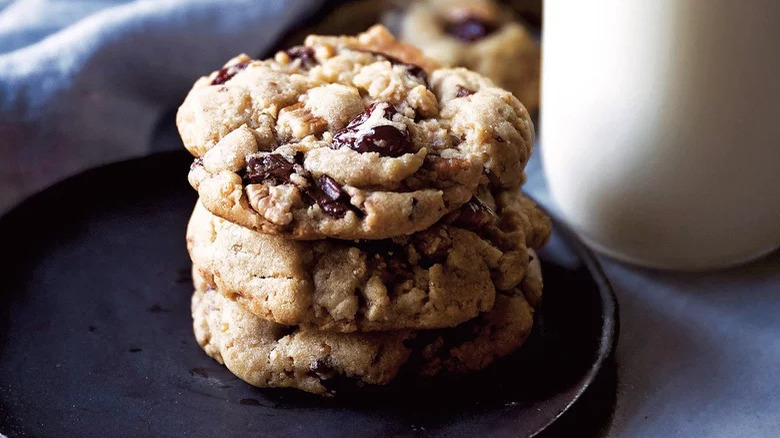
359 216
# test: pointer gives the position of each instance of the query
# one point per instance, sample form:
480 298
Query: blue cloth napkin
83 82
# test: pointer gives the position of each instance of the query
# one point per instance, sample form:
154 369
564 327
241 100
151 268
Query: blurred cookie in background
499 39
482 35
530 11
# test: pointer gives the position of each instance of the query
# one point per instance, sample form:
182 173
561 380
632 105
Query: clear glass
660 127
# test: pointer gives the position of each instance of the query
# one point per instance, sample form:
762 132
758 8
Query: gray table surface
699 353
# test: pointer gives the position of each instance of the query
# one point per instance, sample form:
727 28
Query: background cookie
266 354
481 35
349 137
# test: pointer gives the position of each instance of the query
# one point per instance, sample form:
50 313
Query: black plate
95 335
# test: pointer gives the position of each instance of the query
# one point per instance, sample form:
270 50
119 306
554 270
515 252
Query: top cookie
349 137
477 34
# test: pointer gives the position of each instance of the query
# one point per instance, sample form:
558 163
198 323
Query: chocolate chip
386 140
388 111
475 215
328 195
304 54
298 158
463 91
227 73
272 168
414 70
330 187
470 29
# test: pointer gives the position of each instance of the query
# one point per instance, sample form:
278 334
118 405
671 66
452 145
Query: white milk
660 126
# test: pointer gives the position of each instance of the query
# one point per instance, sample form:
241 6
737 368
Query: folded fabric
84 82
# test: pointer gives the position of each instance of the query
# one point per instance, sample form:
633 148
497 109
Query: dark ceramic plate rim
609 310
610 330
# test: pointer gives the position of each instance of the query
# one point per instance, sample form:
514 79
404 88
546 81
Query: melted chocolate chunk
388 111
305 54
463 91
386 140
227 73
330 187
414 70
475 215
298 158
470 29
328 195
268 168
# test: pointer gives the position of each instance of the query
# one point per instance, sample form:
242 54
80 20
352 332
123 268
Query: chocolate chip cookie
349 137
477 34
439 277
266 354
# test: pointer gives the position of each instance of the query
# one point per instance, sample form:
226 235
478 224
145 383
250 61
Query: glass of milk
660 127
